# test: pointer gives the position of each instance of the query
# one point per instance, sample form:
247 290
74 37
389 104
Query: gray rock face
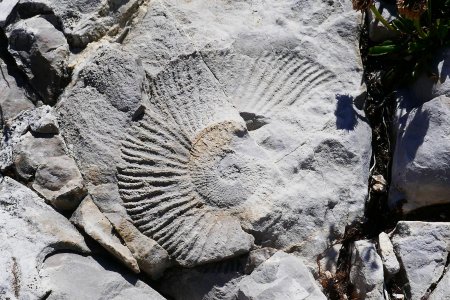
420 172
70 276
60 183
12 97
422 249
366 272
37 154
282 276
30 230
41 51
84 21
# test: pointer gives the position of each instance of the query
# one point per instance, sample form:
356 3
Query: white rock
283 276
72 277
6 7
429 87
366 272
390 261
421 163
89 218
45 121
29 231
422 249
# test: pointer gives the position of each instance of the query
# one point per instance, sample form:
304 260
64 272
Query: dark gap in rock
253 121
435 284
47 294
434 213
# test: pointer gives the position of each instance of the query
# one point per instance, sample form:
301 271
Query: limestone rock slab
441 291
151 257
150 178
70 276
30 230
422 249
420 172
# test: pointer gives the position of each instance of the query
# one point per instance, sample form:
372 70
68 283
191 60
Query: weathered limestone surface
282 276
71 276
83 21
387 254
12 97
422 249
30 230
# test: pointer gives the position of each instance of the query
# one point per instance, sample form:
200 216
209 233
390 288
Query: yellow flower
361 4
412 9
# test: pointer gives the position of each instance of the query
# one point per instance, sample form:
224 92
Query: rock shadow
346 115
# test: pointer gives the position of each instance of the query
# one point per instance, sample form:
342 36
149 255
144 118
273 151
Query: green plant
421 29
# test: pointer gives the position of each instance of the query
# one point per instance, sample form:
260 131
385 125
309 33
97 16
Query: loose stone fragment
89 218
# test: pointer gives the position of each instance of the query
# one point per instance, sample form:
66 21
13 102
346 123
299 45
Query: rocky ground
172 149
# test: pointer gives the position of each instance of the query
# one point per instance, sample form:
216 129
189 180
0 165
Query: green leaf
382 50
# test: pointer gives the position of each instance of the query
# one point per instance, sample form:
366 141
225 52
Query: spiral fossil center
226 166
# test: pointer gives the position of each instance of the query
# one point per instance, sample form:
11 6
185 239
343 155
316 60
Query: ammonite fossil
191 170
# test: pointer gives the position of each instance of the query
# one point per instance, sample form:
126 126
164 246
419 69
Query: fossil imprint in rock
191 171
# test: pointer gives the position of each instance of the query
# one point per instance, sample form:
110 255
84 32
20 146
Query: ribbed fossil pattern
264 83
